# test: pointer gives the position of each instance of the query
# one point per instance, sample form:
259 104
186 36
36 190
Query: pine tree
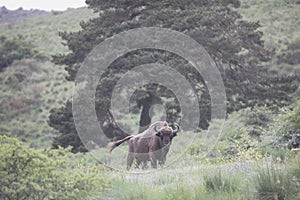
234 44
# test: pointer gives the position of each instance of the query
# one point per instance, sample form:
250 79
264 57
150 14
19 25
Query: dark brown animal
151 145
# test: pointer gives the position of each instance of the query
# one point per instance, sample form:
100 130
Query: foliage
257 119
288 130
44 174
14 49
276 155
279 29
59 120
239 141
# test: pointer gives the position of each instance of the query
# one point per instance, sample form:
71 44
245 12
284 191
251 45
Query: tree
234 44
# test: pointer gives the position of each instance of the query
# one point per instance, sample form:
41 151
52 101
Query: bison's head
166 133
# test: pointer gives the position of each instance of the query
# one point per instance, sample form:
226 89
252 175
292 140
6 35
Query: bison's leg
162 161
144 165
130 159
153 159
137 163
154 163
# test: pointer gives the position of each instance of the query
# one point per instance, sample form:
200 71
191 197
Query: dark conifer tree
234 44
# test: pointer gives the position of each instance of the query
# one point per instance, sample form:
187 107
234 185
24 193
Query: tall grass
272 184
218 182
278 182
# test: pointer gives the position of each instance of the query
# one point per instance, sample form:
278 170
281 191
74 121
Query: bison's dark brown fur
151 145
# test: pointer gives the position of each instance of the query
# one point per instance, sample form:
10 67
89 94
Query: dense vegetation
15 49
45 174
251 160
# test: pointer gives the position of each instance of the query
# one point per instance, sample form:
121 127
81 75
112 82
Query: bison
151 145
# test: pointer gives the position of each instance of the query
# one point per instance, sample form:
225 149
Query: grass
272 184
187 182
218 182
278 182
209 181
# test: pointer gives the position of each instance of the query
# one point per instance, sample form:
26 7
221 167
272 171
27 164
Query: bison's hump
150 131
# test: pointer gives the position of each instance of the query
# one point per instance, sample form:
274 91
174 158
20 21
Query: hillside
245 156
280 24
30 88
43 31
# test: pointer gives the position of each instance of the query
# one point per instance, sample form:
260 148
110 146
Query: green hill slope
280 21
30 88
43 31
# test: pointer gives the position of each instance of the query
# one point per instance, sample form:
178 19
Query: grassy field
192 177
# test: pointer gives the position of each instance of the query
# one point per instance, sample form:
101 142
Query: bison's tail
113 145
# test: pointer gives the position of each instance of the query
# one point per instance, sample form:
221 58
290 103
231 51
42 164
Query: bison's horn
176 129
157 129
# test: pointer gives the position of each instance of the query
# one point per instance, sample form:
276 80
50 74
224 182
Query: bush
14 49
289 131
44 174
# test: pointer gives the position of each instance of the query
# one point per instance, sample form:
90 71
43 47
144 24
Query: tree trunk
145 118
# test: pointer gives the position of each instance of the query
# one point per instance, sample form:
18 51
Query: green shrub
289 129
44 174
14 49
